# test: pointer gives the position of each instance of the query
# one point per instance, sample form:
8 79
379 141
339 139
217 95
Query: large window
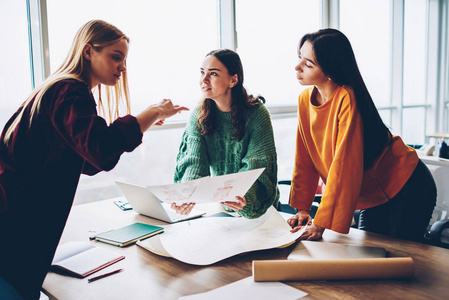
368 26
401 48
169 40
415 71
268 34
444 80
396 79
15 77
415 38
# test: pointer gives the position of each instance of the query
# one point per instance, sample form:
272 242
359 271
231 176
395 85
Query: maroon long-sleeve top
41 166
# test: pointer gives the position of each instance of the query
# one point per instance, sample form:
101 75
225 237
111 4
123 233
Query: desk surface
149 276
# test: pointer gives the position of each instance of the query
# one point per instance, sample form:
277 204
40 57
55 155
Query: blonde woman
54 137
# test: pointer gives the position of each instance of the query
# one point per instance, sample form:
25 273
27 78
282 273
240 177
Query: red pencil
104 275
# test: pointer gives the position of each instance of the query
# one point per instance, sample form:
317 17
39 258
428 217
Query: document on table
208 240
319 250
208 189
248 289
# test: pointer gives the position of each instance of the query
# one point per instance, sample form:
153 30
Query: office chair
436 236
316 202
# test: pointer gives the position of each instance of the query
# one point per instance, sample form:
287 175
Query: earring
328 78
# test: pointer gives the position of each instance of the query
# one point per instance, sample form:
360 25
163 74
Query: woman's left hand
312 233
235 205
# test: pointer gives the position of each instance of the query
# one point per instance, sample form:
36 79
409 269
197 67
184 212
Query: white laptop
146 203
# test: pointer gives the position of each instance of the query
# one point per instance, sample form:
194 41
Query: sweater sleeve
261 153
305 176
344 180
75 118
192 161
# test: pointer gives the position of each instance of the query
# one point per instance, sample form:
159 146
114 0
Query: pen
104 275
95 235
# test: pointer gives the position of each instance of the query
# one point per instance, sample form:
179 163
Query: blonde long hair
99 34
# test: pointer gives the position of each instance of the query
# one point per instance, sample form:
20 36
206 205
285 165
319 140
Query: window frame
38 36
443 99
437 86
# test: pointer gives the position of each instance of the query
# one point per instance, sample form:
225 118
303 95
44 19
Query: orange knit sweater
329 145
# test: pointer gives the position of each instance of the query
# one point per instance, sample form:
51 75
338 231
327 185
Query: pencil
104 275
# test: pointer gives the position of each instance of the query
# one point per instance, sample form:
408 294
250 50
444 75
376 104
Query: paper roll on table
367 268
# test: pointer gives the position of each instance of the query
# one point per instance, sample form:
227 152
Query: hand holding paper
183 209
186 208
238 204
208 189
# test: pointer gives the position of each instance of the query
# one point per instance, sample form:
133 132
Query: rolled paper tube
366 268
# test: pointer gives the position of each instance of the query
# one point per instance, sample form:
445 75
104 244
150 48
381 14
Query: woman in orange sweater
342 140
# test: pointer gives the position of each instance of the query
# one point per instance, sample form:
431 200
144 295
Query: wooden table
149 276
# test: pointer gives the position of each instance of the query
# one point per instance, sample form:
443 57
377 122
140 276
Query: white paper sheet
153 244
208 240
248 289
208 189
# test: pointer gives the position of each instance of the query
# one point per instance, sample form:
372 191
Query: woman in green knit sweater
229 132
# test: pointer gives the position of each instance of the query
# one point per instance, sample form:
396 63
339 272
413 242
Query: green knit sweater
219 154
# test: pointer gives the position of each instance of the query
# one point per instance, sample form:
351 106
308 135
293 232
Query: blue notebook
129 234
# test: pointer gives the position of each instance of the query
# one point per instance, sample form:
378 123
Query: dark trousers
29 237
407 214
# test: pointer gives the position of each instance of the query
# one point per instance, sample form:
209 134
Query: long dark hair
334 55
240 100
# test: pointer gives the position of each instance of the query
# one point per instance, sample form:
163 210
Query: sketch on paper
208 189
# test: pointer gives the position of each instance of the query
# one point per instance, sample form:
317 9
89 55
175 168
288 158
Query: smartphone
122 204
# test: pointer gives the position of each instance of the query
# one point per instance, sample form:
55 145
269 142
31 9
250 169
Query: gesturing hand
167 109
235 205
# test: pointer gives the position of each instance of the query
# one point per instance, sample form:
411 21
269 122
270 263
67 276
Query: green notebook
129 234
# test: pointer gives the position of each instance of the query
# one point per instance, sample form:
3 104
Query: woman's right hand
157 113
302 218
167 109
183 209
